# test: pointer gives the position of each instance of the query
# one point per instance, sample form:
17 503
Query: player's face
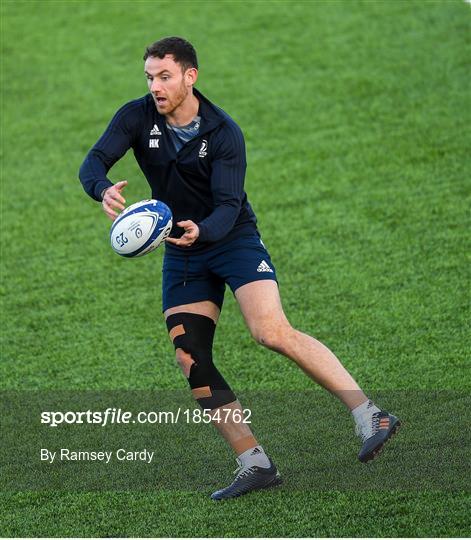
167 83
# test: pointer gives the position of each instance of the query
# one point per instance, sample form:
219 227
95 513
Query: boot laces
242 471
369 428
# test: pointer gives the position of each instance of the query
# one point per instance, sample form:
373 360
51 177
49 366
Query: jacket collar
211 115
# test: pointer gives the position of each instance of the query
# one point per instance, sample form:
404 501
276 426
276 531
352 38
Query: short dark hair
182 50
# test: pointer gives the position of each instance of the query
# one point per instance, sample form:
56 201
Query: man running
193 157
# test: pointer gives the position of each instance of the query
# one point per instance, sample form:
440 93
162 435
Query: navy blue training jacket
203 181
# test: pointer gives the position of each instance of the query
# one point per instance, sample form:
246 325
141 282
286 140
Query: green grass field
357 122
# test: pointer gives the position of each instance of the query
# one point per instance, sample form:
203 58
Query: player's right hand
113 200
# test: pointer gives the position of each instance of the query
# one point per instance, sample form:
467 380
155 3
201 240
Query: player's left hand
190 236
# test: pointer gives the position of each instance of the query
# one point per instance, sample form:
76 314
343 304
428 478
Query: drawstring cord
186 270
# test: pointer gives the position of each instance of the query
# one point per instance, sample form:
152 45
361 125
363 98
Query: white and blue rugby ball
141 228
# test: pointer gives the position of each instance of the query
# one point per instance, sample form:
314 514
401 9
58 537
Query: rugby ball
141 228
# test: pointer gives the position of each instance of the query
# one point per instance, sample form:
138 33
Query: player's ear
191 75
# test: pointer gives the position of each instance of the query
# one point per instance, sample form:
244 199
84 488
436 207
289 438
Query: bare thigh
260 304
207 308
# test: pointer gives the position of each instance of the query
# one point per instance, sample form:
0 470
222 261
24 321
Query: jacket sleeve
112 145
227 184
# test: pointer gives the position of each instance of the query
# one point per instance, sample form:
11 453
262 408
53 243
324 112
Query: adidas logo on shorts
263 267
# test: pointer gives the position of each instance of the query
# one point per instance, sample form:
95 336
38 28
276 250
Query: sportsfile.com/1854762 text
118 416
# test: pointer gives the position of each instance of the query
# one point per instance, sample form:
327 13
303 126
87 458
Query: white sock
363 413
254 456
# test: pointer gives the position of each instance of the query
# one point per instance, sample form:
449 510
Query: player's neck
185 112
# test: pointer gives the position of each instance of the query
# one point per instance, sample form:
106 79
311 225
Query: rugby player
193 156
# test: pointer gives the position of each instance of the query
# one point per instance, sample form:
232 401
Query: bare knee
275 337
185 361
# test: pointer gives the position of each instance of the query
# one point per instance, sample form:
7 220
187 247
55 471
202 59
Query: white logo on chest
154 143
204 149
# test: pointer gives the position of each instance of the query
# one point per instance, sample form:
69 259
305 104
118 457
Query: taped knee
192 335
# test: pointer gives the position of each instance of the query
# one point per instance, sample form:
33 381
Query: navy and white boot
375 432
249 478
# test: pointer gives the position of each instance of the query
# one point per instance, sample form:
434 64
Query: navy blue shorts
189 278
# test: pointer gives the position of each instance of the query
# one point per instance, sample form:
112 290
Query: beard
177 99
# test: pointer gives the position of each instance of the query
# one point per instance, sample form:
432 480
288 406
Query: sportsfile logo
116 416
